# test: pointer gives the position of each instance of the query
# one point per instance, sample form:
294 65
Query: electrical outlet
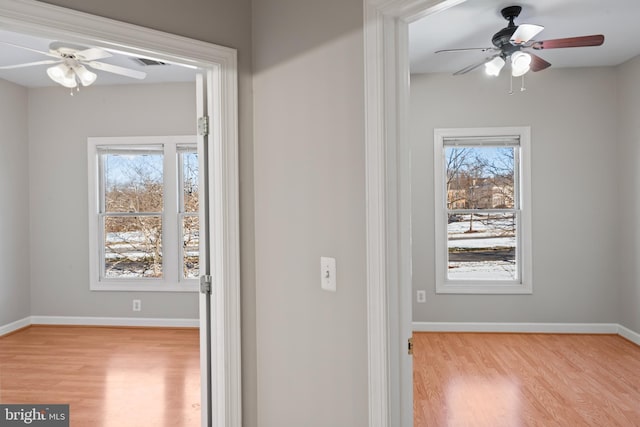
421 296
137 305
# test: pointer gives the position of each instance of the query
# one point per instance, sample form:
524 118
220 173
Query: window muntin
482 236
146 220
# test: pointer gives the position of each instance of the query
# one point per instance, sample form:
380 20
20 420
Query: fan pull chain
522 88
77 89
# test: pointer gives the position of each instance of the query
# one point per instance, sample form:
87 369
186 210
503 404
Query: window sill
122 286
480 288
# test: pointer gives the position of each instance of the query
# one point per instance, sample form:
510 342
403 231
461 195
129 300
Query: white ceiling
473 23
36 76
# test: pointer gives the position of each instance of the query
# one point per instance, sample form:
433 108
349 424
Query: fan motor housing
502 37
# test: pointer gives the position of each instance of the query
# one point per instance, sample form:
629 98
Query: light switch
328 273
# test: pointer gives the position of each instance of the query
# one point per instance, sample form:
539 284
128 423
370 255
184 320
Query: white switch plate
328 273
421 296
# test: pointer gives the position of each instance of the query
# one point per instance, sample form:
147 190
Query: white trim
14 326
547 328
627 333
115 321
388 269
40 19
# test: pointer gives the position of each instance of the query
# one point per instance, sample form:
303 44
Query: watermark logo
34 415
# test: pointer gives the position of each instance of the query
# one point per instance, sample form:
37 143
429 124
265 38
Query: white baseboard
551 328
627 333
14 326
114 321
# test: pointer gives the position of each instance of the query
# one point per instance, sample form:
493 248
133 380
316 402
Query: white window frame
523 284
172 280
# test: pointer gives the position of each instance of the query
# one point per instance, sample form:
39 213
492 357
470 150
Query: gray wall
572 114
629 189
59 125
14 204
309 184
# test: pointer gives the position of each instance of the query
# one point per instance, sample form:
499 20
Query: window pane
133 182
482 246
133 247
480 177
190 247
190 181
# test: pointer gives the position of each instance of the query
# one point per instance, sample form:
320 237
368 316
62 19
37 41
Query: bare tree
479 178
133 232
457 164
191 221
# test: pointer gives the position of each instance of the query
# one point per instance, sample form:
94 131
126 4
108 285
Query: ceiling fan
71 62
514 43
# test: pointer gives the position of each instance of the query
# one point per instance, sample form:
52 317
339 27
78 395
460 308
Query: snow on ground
494 233
492 270
490 233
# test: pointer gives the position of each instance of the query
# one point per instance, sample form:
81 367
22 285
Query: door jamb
388 209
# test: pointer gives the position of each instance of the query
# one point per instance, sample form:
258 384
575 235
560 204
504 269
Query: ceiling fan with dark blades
515 42
69 64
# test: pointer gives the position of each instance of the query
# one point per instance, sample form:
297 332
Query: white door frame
41 19
388 179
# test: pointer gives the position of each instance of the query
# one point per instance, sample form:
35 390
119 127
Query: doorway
220 332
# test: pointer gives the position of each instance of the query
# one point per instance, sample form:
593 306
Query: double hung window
483 237
144 221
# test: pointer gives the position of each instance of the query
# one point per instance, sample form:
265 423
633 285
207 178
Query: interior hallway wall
15 294
310 188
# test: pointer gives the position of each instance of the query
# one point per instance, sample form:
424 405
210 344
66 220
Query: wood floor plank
512 380
111 377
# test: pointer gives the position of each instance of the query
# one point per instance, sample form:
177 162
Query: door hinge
203 125
205 284
410 346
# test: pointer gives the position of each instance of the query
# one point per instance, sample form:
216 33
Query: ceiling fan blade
92 54
30 64
537 63
594 40
482 49
115 69
472 67
524 33
53 55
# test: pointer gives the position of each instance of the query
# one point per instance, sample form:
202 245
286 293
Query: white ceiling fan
69 68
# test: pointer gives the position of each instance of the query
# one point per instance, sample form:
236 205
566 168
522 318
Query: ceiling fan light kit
70 70
520 62
494 66
511 42
71 76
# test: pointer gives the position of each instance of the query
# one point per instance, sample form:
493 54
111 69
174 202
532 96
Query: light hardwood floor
111 377
511 380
